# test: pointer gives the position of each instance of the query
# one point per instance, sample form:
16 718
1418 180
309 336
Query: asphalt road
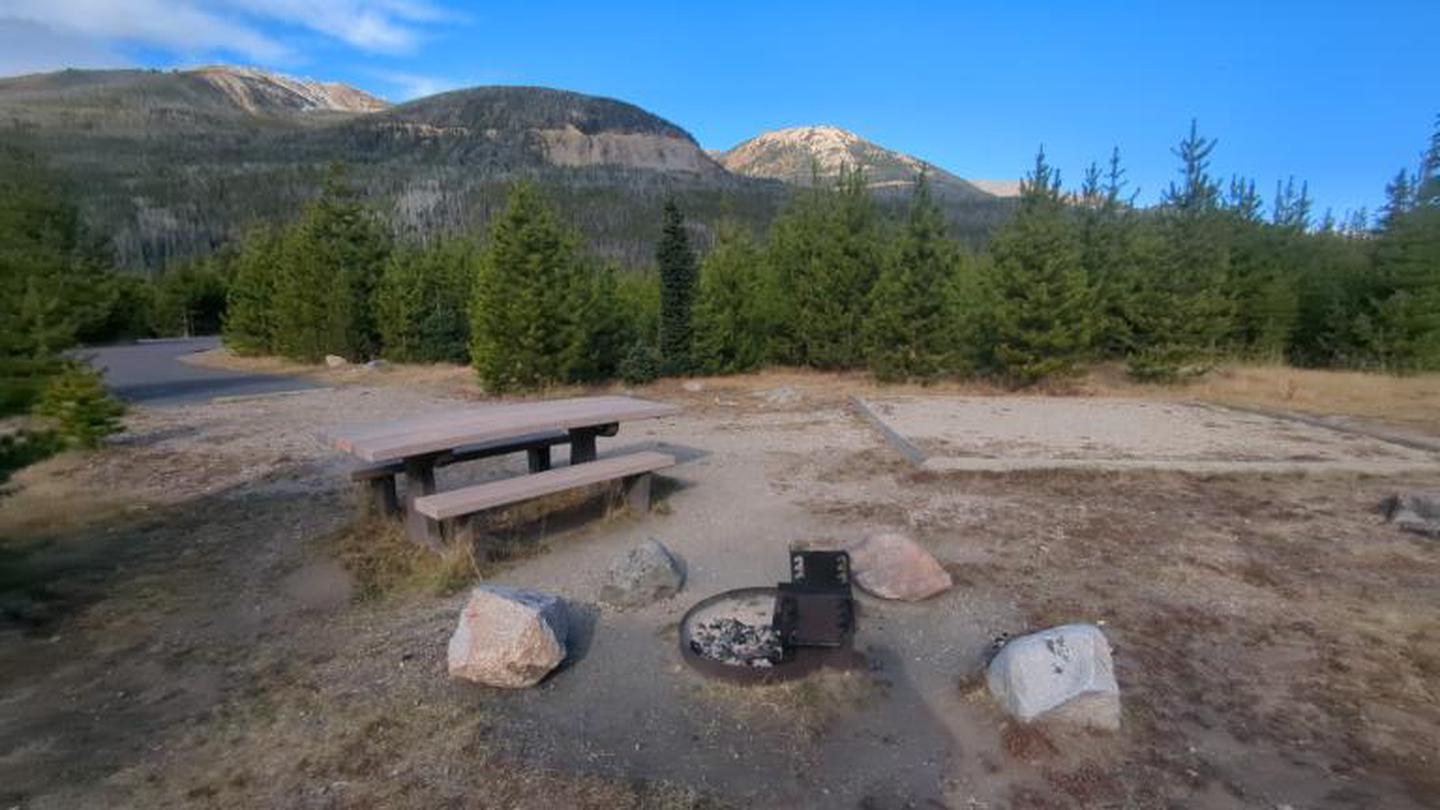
152 374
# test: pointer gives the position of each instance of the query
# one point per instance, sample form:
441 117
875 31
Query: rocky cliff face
258 91
793 155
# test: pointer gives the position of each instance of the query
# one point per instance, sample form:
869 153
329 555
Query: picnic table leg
419 481
383 496
637 493
582 445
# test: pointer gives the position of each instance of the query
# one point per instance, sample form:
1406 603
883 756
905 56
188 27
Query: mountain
793 155
999 188
173 164
258 91
169 165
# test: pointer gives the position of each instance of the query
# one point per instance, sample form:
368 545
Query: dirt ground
190 618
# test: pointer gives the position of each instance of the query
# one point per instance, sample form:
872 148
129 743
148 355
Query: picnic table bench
415 446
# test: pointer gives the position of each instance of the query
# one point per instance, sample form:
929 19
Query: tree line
837 281
1076 276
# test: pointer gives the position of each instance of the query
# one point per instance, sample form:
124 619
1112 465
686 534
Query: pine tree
250 312
908 332
678 277
1038 318
1407 319
827 250
524 319
1181 318
422 304
1110 251
605 329
734 314
331 262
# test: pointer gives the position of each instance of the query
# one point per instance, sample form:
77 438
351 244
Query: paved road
152 374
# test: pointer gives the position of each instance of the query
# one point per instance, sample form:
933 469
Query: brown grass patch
803 709
383 560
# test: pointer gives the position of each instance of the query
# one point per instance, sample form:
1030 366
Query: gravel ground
1271 631
1019 432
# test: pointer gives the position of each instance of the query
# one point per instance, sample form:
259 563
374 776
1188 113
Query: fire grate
764 635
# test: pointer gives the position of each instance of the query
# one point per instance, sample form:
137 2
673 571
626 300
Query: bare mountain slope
792 155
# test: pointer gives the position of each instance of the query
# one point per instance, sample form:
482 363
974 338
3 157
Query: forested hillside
173 165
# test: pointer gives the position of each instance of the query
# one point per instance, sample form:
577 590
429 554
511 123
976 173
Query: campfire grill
813 615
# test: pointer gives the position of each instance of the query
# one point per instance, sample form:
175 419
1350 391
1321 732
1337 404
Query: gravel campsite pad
1019 429
207 643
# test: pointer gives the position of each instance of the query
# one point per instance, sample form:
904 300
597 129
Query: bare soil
193 617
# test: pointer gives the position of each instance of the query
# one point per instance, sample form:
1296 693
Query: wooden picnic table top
446 430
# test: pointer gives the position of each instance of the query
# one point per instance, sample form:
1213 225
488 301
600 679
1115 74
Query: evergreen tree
190 299
250 313
605 330
1180 319
677 291
524 318
1037 319
1110 252
47 297
332 262
735 313
422 304
827 250
908 332
1407 261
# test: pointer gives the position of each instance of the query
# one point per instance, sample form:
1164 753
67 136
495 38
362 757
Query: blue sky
1339 94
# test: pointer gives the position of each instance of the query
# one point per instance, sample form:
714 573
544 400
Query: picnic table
416 445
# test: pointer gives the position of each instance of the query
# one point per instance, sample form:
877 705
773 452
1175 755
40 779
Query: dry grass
395 748
383 560
803 708
1412 402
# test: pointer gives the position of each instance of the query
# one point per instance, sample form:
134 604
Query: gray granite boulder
644 574
508 637
1415 511
1064 675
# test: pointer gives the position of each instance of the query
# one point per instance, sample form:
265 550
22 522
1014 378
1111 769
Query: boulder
1415 511
1064 675
335 361
693 386
508 637
644 574
377 365
892 566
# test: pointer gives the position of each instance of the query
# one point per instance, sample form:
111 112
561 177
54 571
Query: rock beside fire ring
1064 674
508 637
646 573
892 566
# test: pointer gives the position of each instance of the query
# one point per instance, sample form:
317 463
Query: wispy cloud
406 86
256 30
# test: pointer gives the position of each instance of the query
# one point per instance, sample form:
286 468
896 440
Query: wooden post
420 481
539 458
582 445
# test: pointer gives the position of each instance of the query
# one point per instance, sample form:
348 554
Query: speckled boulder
508 637
1064 674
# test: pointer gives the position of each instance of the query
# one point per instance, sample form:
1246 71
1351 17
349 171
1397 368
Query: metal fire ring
797 662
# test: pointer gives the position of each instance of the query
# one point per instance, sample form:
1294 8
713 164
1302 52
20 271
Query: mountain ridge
172 165
795 154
